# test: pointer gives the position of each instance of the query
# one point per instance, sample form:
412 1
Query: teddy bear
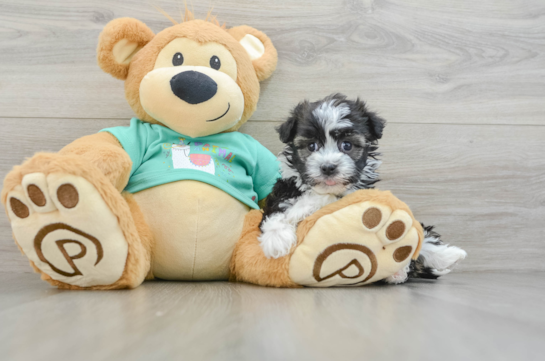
177 194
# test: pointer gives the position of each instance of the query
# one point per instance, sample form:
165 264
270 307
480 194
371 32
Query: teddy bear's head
197 77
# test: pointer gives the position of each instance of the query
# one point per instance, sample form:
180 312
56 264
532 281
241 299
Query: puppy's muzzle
193 87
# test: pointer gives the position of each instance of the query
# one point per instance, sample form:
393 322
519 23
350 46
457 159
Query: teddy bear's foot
361 243
63 225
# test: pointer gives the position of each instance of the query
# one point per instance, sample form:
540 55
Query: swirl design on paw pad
340 272
44 231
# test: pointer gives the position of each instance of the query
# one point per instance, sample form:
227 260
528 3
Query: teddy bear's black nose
193 87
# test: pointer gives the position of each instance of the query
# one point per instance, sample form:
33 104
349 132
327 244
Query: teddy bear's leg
249 264
362 238
75 227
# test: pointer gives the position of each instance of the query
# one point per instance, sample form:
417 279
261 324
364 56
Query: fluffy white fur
331 116
278 235
400 276
441 258
278 231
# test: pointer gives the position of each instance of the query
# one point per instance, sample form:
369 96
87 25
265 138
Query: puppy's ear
120 40
288 129
375 123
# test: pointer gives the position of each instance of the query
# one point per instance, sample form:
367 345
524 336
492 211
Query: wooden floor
465 316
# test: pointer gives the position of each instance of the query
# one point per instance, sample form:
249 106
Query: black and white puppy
331 151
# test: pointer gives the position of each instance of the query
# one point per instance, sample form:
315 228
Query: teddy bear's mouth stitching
221 116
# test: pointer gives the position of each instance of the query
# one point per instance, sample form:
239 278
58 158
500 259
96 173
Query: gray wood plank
442 61
480 185
466 316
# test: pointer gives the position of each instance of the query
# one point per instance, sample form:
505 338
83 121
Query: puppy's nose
193 87
328 169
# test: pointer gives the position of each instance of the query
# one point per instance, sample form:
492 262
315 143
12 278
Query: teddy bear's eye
215 62
177 59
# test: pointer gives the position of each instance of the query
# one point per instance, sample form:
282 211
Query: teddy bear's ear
118 42
259 47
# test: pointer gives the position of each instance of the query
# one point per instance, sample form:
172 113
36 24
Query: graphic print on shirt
224 170
183 159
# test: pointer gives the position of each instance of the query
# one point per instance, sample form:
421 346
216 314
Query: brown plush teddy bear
171 195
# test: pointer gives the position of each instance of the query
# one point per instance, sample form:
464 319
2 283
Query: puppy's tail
436 258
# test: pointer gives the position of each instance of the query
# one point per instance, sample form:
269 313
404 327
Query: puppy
331 151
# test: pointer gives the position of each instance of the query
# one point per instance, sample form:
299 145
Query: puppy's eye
346 146
177 59
312 147
215 62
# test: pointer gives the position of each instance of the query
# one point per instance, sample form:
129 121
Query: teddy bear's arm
105 152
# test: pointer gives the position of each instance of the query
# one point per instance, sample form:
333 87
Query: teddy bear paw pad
65 228
359 244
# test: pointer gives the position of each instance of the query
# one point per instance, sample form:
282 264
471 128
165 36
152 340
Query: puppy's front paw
277 237
399 277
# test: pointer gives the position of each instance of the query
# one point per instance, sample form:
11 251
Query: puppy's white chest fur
303 206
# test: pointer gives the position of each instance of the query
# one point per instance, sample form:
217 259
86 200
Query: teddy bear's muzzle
194 101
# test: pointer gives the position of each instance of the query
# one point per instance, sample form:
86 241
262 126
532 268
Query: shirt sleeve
267 171
133 139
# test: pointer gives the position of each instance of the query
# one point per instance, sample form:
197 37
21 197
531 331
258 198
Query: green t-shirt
233 162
